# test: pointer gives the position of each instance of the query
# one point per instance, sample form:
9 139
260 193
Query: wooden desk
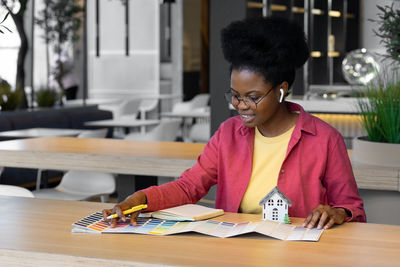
40 132
142 158
38 232
106 155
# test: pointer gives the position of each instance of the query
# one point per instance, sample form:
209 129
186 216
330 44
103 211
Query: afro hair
271 46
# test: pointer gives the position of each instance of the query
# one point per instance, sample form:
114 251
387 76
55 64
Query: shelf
332 28
333 54
318 12
279 8
298 10
316 54
255 5
334 14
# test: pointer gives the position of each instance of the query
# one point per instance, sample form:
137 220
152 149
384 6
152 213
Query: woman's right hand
133 200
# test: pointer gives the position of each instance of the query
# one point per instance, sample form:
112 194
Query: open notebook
188 212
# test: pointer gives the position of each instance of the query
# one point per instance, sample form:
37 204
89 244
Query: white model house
275 205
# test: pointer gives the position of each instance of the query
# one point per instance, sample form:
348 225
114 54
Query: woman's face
262 99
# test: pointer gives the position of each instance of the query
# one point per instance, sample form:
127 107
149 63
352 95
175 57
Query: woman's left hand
324 216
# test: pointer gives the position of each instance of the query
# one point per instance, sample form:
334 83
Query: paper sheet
152 226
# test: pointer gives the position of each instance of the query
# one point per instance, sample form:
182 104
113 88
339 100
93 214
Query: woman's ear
283 90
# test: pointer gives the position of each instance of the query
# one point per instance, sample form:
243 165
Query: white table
123 122
187 114
92 101
116 101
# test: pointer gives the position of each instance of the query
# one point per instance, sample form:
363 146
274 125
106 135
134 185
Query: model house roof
271 193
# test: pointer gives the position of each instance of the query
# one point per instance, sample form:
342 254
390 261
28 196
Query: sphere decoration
359 67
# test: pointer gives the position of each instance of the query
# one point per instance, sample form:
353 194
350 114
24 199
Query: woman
272 142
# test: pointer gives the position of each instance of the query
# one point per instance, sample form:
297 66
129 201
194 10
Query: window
270 202
280 202
9 46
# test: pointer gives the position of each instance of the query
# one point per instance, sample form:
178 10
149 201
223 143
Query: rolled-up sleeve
341 186
192 185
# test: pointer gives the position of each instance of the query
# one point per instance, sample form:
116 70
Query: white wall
113 73
369 11
9 46
40 59
368 38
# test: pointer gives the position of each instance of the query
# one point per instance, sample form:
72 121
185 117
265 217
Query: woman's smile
246 118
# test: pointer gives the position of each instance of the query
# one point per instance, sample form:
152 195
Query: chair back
200 100
166 131
200 132
16 191
129 107
98 133
147 105
85 182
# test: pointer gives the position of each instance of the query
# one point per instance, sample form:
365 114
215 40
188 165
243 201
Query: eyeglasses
249 101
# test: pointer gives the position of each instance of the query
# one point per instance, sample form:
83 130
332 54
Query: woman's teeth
247 117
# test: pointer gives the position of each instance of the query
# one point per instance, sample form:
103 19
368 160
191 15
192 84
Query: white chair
147 105
129 107
199 101
16 191
200 132
166 131
82 185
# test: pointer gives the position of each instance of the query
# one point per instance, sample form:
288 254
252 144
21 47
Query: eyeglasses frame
246 97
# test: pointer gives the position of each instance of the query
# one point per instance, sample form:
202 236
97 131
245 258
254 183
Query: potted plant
61 22
46 97
9 99
380 109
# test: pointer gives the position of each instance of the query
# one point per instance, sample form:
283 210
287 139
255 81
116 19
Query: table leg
128 184
38 179
125 186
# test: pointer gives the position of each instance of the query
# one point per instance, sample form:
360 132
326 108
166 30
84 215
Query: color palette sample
151 226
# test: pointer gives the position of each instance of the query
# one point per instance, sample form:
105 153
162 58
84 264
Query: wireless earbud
281 97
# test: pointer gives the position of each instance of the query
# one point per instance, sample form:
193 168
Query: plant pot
375 153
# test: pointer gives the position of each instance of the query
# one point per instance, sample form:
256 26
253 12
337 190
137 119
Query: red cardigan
316 170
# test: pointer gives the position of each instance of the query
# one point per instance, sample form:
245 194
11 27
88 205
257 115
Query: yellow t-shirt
268 156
